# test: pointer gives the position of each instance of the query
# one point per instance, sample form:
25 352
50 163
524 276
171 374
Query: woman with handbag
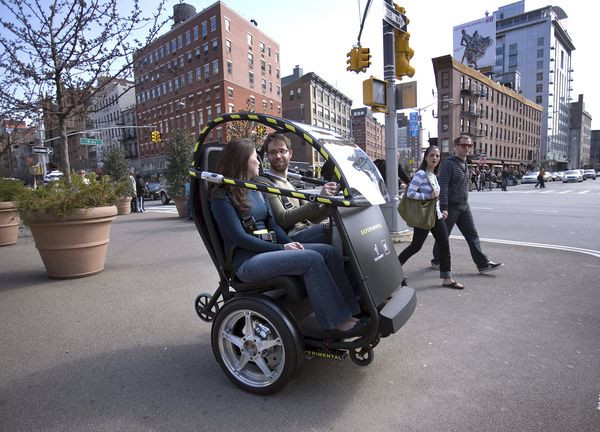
424 187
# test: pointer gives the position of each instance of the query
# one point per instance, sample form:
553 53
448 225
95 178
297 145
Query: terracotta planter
76 246
180 205
9 223
124 206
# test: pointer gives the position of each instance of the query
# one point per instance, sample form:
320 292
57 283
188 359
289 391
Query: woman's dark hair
424 163
234 163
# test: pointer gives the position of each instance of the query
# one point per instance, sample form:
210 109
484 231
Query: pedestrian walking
454 204
424 186
134 205
505 176
540 179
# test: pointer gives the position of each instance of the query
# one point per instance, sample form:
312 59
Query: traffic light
155 136
158 136
403 54
364 59
353 58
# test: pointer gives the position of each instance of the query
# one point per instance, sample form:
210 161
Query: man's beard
279 165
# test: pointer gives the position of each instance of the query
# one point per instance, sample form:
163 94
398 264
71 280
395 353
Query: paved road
123 350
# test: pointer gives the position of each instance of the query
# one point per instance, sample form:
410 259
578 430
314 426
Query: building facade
310 99
536 44
595 150
210 62
503 125
16 142
409 153
580 136
368 133
107 107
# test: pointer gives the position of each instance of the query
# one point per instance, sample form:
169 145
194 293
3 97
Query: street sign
90 141
43 150
394 18
414 124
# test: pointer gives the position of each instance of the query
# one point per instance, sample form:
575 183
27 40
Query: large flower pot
180 205
9 223
75 246
124 206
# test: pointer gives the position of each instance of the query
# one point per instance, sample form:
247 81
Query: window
173 45
540 53
215 67
231 108
299 92
213 23
539 88
262 66
291 94
197 52
249 39
227 25
277 57
540 41
205 48
188 37
278 90
512 49
189 77
215 44
196 33
204 28
206 71
445 79
179 41
230 92
227 45
538 99
262 47
540 65
251 78
189 56
269 51
229 67
445 123
208 114
263 85
250 60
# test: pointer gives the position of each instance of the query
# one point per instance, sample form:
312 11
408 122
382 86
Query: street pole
396 225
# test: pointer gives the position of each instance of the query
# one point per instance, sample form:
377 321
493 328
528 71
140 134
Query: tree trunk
62 127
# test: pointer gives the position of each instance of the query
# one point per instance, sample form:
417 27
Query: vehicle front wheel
164 198
256 345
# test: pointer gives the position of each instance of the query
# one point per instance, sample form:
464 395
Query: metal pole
390 209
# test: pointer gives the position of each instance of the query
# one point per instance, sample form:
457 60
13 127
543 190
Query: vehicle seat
292 287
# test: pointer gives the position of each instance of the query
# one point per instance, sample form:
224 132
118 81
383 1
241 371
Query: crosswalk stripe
564 192
582 192
549 191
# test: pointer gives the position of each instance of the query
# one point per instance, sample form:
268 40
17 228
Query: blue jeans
317 233
460 215
441 238
325 279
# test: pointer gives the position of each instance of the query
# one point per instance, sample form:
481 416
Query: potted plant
70 224
117 168
9 216
178 152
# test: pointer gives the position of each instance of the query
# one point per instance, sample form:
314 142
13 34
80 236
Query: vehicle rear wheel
164 198
256 345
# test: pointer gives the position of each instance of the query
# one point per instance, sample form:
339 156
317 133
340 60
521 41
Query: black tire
164 198
362 356
271 351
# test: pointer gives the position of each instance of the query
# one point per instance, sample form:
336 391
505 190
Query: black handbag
418 213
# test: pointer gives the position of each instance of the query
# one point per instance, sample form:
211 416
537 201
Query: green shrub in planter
117 168
11 189
179 151
59 199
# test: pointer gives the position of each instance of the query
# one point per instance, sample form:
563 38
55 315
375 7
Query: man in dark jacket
454 203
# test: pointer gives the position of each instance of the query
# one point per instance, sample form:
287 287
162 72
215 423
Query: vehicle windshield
360 172
572 172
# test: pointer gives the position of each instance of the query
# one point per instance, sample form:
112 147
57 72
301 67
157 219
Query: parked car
560 175
554 175
153 191
547 176
589 173
572 176
581 171
163 193
530 177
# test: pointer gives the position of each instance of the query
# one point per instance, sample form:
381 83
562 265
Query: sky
317 34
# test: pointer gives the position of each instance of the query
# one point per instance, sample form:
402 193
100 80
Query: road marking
548 211
567 191
582 192
549 191
591 252
482 208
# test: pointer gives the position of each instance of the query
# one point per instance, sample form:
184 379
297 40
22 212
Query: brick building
210 62
503 125
368 133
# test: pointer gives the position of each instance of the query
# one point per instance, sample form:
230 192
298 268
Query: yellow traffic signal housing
403 54
353 60
364 59
157 136
375 94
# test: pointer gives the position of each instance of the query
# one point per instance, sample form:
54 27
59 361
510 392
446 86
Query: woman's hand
293 246
329 189
445 214
434 194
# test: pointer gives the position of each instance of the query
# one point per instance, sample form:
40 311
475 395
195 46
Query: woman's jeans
440 234
325 279
140 203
